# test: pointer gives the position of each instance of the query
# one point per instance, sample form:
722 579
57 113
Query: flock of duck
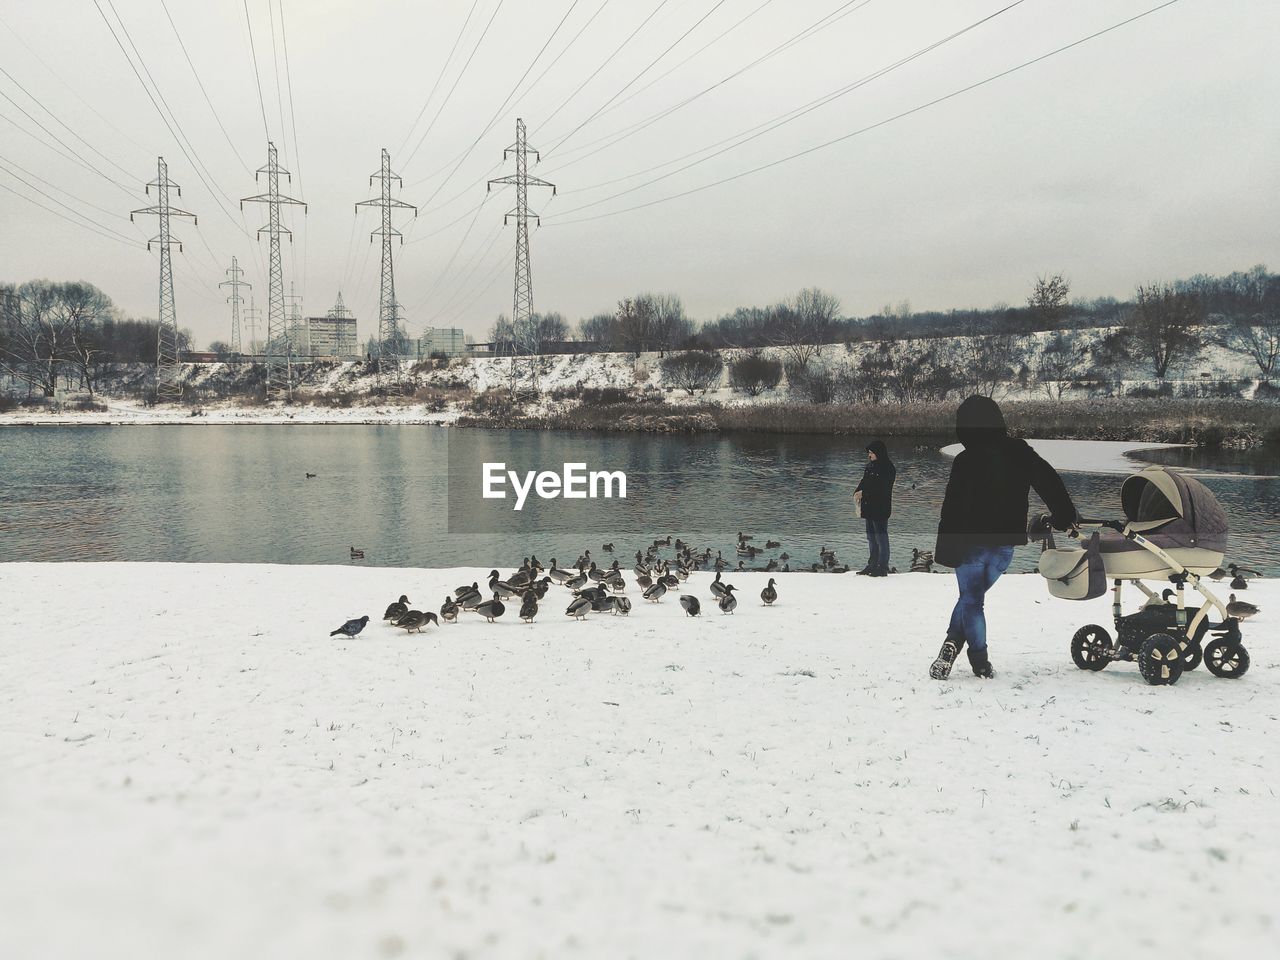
593 589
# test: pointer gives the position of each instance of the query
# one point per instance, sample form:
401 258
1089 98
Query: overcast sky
1148 153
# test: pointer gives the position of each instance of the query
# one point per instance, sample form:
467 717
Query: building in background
449 341
334 334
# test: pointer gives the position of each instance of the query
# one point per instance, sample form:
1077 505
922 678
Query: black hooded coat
988 494
877 483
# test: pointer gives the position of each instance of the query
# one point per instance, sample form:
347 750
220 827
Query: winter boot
865 570
981 664
941 668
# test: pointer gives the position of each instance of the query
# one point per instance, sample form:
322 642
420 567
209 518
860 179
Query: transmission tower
251 320
389 331
235 283
279 367
167 386
297 329
522 322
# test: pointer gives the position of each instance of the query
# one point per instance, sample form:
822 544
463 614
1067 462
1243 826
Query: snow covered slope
193 768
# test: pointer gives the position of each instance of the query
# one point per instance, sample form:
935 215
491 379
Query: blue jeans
878 541
981 568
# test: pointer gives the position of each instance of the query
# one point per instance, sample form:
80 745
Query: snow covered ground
193 768
1088 456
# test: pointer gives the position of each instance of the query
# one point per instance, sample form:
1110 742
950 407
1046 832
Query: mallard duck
573 583
744 537
769 594
397 609
594 573
491 610
1240 609
502 588
717 587
578 608
644 581
529 606
656 592
669 578
691 605
351 628
772 544
622 605
449 610
469 597
356 554
728 603
415 620
556 574
607 547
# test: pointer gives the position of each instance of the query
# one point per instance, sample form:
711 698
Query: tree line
72 331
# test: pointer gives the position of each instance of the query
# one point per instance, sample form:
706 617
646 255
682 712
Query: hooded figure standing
874 495
984 516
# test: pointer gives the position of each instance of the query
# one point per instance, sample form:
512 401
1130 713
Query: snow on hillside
194 768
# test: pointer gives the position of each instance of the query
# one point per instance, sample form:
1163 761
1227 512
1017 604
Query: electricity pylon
167 386
522 322
388 309
279 367
235 283
251 321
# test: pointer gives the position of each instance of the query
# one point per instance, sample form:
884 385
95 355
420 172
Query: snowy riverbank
194 768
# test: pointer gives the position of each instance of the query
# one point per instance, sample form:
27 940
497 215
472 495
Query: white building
450 341
332 337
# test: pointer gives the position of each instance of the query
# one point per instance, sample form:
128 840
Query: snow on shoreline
1088 456
199 771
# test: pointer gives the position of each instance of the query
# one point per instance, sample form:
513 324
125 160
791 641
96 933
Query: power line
131 243
617 136
572 41
70 152
604 63
780 120
456 81
498 113
293 126
257 74
48 183
878 124
200 83
440 76
680 39
100 227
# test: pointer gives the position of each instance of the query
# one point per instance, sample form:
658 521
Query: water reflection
240 494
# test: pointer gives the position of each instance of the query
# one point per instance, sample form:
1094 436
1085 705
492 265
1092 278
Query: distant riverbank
1205 423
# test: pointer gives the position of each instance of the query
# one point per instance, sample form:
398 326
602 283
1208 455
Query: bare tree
1163 323
503 336
634 324
1255 329
986 360
754 373
51 325
1048 300
1060 362
802 326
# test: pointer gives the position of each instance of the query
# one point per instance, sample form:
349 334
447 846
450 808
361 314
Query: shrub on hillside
813 384
1266 390
8 402
755 373
1145 391
692 370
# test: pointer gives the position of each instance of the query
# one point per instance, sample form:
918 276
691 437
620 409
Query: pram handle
1083 522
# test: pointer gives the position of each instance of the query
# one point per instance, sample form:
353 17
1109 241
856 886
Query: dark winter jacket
877 484
987 496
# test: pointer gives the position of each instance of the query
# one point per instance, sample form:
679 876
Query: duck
921 561
670 579
415 620
605 604
656 592
355 554
784 557
1240 609
717 587
640 569
573 583
536 564
771 566
469 599
770 593
541 587
529 606
594 594
621 605
607 547
615 582
502 588
465 588
449 610
578 608
720 561
491 610
595 573
351 628
556 574
398 609
772 544
728 603
644 581
663 543
744 537
691 605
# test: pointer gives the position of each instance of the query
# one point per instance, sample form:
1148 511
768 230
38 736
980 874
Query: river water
240 494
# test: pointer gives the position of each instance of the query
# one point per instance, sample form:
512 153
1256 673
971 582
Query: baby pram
1175 530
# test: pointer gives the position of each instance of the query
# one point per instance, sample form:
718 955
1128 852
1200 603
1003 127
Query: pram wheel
1191 654
1091 647
1160 660
1227 659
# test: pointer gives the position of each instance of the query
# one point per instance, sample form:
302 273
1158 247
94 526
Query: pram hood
1179 510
